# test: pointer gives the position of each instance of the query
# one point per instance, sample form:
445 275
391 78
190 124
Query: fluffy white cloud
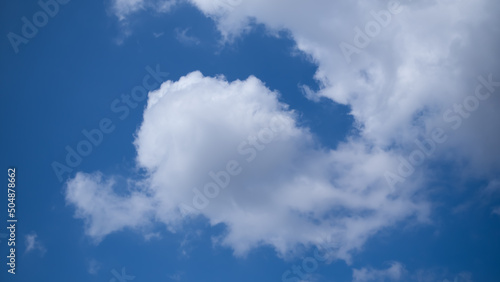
104 210
123 8
287 191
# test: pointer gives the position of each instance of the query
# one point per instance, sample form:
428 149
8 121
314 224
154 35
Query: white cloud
393 273
30 242
184 38
124 8
33 244
103 210
93 267
290 192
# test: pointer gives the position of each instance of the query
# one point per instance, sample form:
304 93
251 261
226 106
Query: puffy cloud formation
234 154
102 209
421 78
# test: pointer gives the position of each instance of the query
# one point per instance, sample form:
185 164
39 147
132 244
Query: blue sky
318 185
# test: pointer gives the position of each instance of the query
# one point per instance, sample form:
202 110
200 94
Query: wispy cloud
33 244
393 273
93 267
150 236
158 34
177 277
184 38
123 8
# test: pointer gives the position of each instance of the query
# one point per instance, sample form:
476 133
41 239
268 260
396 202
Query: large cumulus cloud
231 152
